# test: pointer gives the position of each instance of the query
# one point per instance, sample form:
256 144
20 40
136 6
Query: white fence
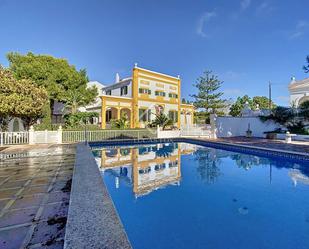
196 131
45 137
60 136
101 135
10 138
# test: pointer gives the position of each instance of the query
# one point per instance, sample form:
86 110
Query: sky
247 43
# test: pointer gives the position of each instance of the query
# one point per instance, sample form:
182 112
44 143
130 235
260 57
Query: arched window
15 125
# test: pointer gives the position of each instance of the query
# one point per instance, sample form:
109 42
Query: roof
119 84
95 83
299 84
166 75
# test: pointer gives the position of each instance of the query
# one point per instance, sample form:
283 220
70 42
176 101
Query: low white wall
295 138
237 126
168 134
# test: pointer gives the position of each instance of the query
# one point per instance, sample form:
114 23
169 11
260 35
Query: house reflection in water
146 168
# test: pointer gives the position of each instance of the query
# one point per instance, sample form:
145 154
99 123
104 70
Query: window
143 90
173 164
144 171
108 92
173 95
144 115
124 90
159 93
173 115
160 167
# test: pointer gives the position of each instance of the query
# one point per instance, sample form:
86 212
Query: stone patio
295 146
35 184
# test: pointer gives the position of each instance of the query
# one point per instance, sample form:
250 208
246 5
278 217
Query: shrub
79 118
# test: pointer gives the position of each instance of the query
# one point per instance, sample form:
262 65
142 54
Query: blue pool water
180 195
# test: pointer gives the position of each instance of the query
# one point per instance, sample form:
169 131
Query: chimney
117 78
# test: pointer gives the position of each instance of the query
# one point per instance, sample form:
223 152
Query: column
103 114
118 112
31 135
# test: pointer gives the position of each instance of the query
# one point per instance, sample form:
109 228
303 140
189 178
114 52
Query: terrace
35 185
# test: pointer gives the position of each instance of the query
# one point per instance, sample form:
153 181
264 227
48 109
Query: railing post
59 133
1 138
213 119
31 135
158 131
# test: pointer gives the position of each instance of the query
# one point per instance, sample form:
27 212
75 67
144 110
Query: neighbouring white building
299 91
97 104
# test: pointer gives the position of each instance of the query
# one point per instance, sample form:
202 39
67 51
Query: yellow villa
142 96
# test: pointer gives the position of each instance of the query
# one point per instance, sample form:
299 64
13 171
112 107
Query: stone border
93 221
261 151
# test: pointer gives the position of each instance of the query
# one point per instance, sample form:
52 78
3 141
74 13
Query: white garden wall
237 126
168 133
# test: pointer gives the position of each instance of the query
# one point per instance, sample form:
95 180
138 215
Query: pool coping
250 148
93 221
213 143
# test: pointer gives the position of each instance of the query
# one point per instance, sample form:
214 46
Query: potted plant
249 132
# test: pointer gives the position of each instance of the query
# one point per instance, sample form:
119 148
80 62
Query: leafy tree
304 110
200 117
262 101
79 96
236 108
306 68
20 98
61 80
162 120
208 96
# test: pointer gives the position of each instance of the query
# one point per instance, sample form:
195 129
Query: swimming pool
181 195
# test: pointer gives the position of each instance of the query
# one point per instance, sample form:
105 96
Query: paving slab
35 187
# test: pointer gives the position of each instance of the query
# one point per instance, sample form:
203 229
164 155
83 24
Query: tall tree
20 98
306 68
61 80
208 96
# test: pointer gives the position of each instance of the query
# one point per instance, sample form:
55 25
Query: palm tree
121 123
162 120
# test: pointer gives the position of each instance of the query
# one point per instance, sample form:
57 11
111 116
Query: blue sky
245 42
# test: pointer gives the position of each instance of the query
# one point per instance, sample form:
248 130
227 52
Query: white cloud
264 7
200 28
301 28
244 4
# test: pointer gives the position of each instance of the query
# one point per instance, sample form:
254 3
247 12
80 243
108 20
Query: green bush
78 119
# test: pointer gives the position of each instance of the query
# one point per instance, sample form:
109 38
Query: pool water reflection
180 195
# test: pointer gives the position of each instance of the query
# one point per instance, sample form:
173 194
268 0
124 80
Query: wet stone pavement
35 184
295 146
